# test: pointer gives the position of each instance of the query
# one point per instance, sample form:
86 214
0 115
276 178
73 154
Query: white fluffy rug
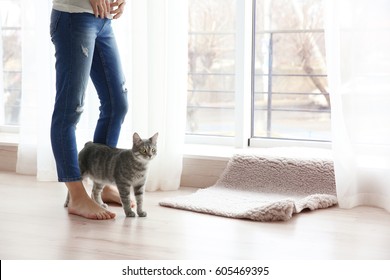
271 186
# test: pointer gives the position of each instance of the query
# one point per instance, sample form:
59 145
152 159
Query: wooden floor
34 225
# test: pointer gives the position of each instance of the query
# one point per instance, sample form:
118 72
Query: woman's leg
73 36
109 81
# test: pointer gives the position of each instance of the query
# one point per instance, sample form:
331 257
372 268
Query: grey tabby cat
124 168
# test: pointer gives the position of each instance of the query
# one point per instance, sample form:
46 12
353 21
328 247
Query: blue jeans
85 47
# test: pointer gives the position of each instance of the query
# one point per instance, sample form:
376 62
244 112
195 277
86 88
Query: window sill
9 139
220 152
208 152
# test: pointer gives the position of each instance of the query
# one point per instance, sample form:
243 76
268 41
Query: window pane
261 83
210 121
216 99
298 53
289 14
292 102
299 84
291 98
210 97
293 125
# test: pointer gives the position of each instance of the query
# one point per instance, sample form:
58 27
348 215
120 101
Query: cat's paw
104 205
142 214
130 214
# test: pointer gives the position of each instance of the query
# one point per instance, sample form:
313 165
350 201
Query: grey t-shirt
73 6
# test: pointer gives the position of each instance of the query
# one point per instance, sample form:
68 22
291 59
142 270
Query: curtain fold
152 38
358 59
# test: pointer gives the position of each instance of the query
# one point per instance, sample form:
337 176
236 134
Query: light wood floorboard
34 225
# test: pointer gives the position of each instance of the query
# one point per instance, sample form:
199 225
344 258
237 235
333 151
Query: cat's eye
153 150
143 151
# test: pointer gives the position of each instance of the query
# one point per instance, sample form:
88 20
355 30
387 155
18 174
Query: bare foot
82 205
110 194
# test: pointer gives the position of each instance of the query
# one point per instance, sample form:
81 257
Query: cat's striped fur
124 168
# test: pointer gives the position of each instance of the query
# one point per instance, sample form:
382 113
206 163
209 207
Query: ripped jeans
84 47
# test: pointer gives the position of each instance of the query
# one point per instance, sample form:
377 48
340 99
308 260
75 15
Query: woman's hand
117 8
100 7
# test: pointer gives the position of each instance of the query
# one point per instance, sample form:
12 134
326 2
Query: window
211 77
10 62
289 97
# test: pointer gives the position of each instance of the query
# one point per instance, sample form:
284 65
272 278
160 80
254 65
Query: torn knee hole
85 50
124 88
79 109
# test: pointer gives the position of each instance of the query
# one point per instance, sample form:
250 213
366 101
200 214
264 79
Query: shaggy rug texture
271 186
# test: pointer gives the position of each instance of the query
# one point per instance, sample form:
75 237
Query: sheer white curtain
2 116
159 83
358 56
152 37
34 151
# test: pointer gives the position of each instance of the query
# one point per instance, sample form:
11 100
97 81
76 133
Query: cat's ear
136 137
154 138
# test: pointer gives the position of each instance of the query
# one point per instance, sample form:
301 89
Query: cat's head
145 149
